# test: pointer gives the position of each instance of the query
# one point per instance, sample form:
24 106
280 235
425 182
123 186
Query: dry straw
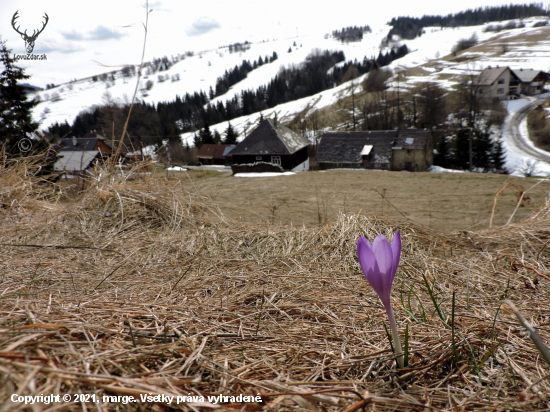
125 288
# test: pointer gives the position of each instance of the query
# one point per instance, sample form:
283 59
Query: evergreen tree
197 141
230 135
462 152
481 150
206 135
498 157
15 110
442 158
217 137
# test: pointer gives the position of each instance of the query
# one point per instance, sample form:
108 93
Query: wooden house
274 143
78 154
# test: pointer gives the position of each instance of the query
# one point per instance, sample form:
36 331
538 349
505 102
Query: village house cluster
274 144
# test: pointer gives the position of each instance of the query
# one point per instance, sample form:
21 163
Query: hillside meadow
148 285
441 201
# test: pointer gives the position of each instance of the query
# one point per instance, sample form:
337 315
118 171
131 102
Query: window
500 91
259 158
276 160
501 81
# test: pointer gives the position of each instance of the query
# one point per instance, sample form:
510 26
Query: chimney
74 141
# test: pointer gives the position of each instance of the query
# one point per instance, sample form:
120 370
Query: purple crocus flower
379 263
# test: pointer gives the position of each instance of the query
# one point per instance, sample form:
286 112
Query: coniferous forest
411 27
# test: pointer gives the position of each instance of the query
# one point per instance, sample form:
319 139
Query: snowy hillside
430 60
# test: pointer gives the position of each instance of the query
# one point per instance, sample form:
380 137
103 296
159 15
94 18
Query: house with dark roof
274 143
214 154
383 150
413 150
531 82
497 82
78 154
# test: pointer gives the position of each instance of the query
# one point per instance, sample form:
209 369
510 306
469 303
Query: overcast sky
111 32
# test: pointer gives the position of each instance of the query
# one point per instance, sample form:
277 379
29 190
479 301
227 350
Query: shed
274 143
213 154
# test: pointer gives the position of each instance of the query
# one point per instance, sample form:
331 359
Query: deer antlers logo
29 40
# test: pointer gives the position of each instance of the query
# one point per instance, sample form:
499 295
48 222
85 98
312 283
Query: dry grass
128 290
443 201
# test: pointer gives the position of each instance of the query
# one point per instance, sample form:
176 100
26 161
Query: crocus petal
383 252
396 252
369 266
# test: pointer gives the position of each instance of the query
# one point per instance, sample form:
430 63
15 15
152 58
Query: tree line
348 34
411 27
238 73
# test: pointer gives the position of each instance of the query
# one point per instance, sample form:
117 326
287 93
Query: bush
376 80
464 44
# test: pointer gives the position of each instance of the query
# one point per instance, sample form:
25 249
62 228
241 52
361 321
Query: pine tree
15 110
197 140
462 151
482 150
206 135
217 137
442 158
230 135
498 157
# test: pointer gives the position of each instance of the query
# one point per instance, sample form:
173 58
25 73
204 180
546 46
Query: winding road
512 132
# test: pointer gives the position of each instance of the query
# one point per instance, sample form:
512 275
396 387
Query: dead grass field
138 286
441 201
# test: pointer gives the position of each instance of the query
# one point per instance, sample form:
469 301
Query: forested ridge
411 27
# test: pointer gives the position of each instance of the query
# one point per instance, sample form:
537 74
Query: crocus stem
396 340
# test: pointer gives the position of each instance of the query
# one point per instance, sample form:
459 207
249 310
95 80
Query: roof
527 76
271 138
411 139
346 147
490 75
213 151
366 149
228 149
72 161
80 144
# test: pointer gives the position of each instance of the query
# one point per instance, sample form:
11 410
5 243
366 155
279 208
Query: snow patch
264 174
